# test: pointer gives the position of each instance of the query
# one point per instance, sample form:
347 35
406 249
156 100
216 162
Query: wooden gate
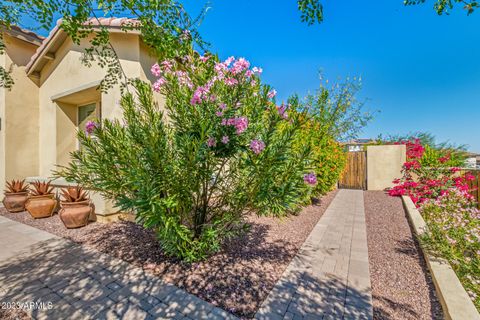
355 174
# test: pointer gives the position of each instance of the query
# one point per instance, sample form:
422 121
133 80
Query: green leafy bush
454 234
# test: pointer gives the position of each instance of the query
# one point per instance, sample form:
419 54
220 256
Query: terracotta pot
75 214
41 206
15 202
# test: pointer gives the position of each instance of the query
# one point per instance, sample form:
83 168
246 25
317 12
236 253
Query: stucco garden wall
20 116
384 164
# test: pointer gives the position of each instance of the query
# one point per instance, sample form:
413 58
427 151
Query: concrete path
329 278
57 279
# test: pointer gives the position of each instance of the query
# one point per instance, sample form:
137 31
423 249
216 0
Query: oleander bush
220 149
454 233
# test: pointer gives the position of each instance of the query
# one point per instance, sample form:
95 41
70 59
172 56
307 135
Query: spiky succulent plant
74 194
16 186
42 188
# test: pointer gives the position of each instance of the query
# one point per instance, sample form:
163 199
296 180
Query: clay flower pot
15 202
75 214
41 206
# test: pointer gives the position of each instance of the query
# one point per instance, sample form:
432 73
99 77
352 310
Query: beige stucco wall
65 73
147 59
2 132
66 135
20 116
384 164
41 118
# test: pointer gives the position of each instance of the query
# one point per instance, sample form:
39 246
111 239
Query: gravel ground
236 279
13 314
401 285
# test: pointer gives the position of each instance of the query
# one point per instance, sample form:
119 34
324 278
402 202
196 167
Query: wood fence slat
355 173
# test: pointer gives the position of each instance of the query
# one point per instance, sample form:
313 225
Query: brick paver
78 283
329 278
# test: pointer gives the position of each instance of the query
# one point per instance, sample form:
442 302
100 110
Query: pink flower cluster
422 184
240 123
257 146
282 111
310 178
202 93
90 127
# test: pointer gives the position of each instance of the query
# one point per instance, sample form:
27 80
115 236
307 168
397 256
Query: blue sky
419 70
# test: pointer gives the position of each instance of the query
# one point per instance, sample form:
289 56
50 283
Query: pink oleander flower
219 114
231 81
222 106
310 178
155 70
90 127
257 146
257 70
200 94
241 124
184 79
204 58
272 94
167 65
224 122
240 65
159 83
229 61
220 68
225 139
211 142
248 73
196 99
282 111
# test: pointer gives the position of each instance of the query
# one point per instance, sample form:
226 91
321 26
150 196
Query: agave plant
16 186
41 188
74 194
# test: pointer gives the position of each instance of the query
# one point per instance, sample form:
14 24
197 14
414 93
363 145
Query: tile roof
25 34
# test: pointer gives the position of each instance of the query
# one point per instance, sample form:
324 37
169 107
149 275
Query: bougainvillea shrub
454 234
428 174
436 185
223 149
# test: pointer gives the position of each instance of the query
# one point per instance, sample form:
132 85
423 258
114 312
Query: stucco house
54 95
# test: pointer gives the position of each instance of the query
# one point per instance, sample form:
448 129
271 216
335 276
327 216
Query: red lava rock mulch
236 279
401 284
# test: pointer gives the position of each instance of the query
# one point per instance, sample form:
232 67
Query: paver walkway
329 278
73 282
